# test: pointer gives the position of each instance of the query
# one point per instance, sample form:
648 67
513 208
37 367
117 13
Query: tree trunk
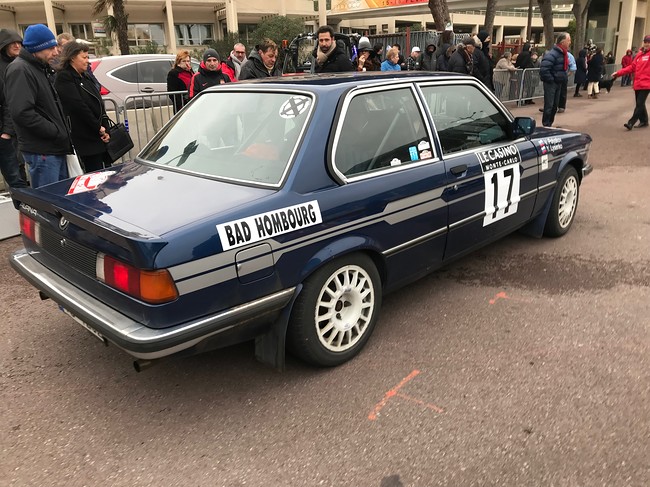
440 12
490 12
546 9
580 13
121 21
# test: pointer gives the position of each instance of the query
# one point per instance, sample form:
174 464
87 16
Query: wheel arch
346 246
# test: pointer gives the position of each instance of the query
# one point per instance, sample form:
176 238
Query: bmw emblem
63 223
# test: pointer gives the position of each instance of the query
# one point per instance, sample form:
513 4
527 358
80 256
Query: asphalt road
525 364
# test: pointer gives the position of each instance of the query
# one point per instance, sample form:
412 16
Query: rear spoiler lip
143 245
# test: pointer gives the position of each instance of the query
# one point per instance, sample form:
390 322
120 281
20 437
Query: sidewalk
603 119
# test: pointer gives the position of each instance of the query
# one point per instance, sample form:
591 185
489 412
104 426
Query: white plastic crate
8 217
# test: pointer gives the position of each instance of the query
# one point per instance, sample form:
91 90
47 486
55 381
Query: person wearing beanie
209 73
10 45
482 59
640 68
35 108
365 59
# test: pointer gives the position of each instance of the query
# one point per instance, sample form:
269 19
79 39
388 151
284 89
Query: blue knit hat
38 37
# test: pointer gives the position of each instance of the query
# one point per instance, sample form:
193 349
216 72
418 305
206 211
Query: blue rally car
283 210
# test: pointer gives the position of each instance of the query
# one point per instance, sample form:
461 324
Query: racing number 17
501 193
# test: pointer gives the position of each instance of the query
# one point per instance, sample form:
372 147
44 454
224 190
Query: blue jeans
45 169
552 92
9 165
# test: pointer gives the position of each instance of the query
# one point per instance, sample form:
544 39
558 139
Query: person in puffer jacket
553 73
640 67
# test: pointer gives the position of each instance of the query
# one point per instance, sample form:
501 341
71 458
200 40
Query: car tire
564 204
336 311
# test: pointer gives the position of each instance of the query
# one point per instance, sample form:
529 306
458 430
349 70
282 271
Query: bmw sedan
283 210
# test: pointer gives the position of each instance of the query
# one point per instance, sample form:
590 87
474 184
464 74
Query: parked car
134 74
287 208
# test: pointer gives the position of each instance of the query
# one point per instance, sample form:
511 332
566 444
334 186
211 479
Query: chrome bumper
131 336
586 169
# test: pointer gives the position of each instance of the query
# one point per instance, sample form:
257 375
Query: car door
152 75
383 156
492 175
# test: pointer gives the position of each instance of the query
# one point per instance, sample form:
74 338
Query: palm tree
118 22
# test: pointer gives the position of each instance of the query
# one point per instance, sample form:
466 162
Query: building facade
171 24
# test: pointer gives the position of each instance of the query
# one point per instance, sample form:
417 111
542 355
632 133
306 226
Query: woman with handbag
83 106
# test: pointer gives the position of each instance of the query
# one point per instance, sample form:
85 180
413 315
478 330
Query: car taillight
30 228
93 66
154 287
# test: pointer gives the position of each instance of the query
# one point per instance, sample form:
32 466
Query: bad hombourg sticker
501 172
267 225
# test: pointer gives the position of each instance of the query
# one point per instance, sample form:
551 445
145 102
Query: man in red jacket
641 68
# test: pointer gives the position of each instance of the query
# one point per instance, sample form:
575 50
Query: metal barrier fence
522 85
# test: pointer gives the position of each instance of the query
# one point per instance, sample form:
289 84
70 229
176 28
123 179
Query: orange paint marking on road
422 403
393 392
501 295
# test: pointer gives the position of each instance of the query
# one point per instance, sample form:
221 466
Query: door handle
147 90
457 170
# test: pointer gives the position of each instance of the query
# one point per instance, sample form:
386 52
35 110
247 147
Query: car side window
153 71
128 73
381 130
464 117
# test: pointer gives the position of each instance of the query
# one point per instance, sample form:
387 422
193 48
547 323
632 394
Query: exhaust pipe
142 364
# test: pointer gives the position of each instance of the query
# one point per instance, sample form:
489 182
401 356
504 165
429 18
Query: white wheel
564 204
336 311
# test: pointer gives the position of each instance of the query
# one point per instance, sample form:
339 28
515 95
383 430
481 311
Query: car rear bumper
133 337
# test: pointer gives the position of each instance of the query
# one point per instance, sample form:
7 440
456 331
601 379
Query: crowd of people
50 102
50 107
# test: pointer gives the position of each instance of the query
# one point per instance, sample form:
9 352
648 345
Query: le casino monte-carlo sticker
501 172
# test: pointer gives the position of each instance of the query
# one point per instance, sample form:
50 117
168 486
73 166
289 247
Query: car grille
71 253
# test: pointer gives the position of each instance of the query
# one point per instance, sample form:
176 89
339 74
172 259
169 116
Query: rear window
240 136
128 73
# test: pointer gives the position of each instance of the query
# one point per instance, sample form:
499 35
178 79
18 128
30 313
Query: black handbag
120 141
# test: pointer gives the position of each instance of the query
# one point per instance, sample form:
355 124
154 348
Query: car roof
344 81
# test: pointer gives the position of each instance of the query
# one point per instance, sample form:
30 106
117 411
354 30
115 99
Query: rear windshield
241 136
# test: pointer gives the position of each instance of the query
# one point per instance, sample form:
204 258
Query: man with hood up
428 58
330 58
483 59
209 73
261 62
10 45
525 61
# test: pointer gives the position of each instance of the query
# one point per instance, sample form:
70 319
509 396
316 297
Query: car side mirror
523 126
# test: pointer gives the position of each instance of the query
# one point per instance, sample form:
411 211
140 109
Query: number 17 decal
501 193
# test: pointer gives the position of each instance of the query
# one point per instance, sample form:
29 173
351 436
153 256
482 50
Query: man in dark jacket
330 58
461 61
261 62
35 109
428 62
525 61
209 73
10 44
553 73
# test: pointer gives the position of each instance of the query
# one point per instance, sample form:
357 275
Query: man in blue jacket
553 73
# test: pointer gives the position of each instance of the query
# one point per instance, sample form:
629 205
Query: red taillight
93 66
151 286
29 228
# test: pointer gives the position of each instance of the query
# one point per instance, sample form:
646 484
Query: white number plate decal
501 172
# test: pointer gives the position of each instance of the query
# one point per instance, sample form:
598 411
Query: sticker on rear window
294 106
267 225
